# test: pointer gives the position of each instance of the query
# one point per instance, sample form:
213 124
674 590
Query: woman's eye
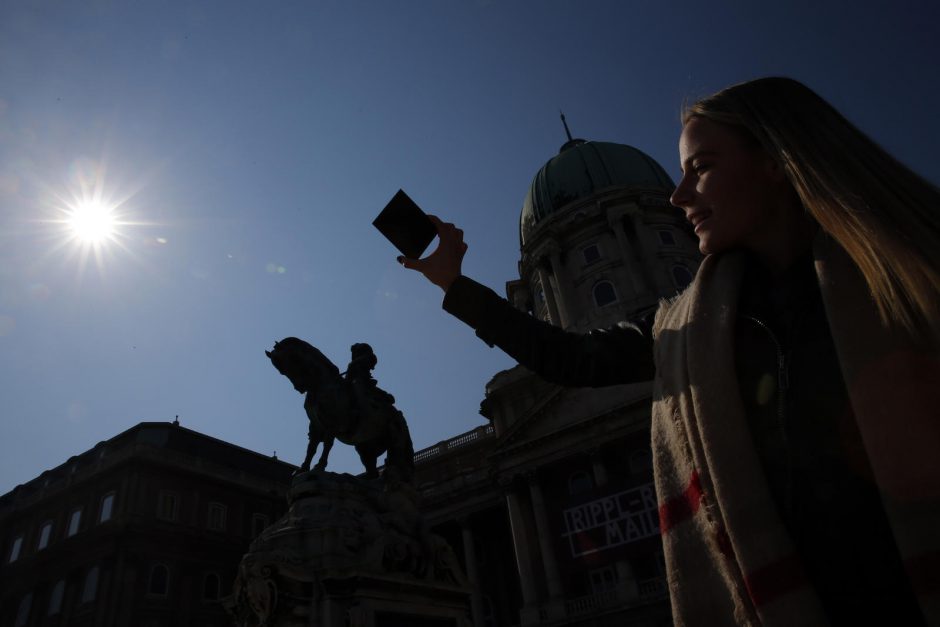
699 168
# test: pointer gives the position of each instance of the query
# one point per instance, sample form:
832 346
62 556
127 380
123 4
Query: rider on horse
359 373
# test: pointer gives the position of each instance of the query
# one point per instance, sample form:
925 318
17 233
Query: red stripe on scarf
771 581
924 571
680 508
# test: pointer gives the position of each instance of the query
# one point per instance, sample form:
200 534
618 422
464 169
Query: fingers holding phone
411 231
443 266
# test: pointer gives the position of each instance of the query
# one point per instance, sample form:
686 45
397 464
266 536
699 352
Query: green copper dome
581 169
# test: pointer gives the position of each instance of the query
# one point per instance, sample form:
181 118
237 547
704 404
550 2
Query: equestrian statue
351 408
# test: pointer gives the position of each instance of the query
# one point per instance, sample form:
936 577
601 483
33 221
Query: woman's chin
706 247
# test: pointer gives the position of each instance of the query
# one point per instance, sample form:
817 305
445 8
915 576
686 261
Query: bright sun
92 222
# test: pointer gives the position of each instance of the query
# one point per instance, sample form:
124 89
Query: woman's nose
681 194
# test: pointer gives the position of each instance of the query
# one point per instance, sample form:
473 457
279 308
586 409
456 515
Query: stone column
597 465
549 292
563 301
470 556
543 529
626 581
520 541
615 220
648 259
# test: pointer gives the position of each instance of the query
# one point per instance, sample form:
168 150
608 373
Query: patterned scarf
729 559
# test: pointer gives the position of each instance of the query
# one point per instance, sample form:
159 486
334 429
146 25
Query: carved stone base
349 553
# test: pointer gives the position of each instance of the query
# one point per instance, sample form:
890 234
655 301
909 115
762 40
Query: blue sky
249 146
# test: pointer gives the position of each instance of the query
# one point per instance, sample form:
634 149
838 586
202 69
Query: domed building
599 240
552 502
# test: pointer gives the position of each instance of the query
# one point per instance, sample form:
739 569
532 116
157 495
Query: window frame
166 581
74 522
592 260
56 596
664 234
23 610
90 583
587 485
256 519
222 509
603 579
107 499
16 548
45 535
173 515
613 291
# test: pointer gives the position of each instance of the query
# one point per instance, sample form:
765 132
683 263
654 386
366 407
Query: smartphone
406 226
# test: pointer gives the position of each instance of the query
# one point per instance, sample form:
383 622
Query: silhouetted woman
811 496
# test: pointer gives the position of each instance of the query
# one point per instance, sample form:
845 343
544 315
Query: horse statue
351 408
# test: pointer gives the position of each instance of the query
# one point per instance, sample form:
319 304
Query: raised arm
621 354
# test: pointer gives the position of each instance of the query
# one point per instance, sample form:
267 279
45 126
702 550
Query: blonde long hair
885 216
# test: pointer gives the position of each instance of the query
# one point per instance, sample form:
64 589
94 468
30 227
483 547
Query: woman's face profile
728 188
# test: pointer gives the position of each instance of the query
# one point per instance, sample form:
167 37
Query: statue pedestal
349 553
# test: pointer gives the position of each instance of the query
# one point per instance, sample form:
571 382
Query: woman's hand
442 267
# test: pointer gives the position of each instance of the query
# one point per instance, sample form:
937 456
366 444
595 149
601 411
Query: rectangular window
591 253
90 589
603 579
22 612
666 238
107 504
45 533
216 516
259 522
16 548
55 599
75 520
168 505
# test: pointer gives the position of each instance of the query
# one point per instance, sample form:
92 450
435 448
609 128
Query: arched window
75 521
15 548
55 598
159 580
45 533
579 482
22 612
90 589
682 276
604 293
107 505
211 587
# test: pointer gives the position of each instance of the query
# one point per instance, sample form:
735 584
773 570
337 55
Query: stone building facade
144 529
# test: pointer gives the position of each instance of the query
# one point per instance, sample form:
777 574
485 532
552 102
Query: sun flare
92 222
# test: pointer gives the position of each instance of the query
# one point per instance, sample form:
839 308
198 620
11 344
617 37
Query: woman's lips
700 224
698 218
